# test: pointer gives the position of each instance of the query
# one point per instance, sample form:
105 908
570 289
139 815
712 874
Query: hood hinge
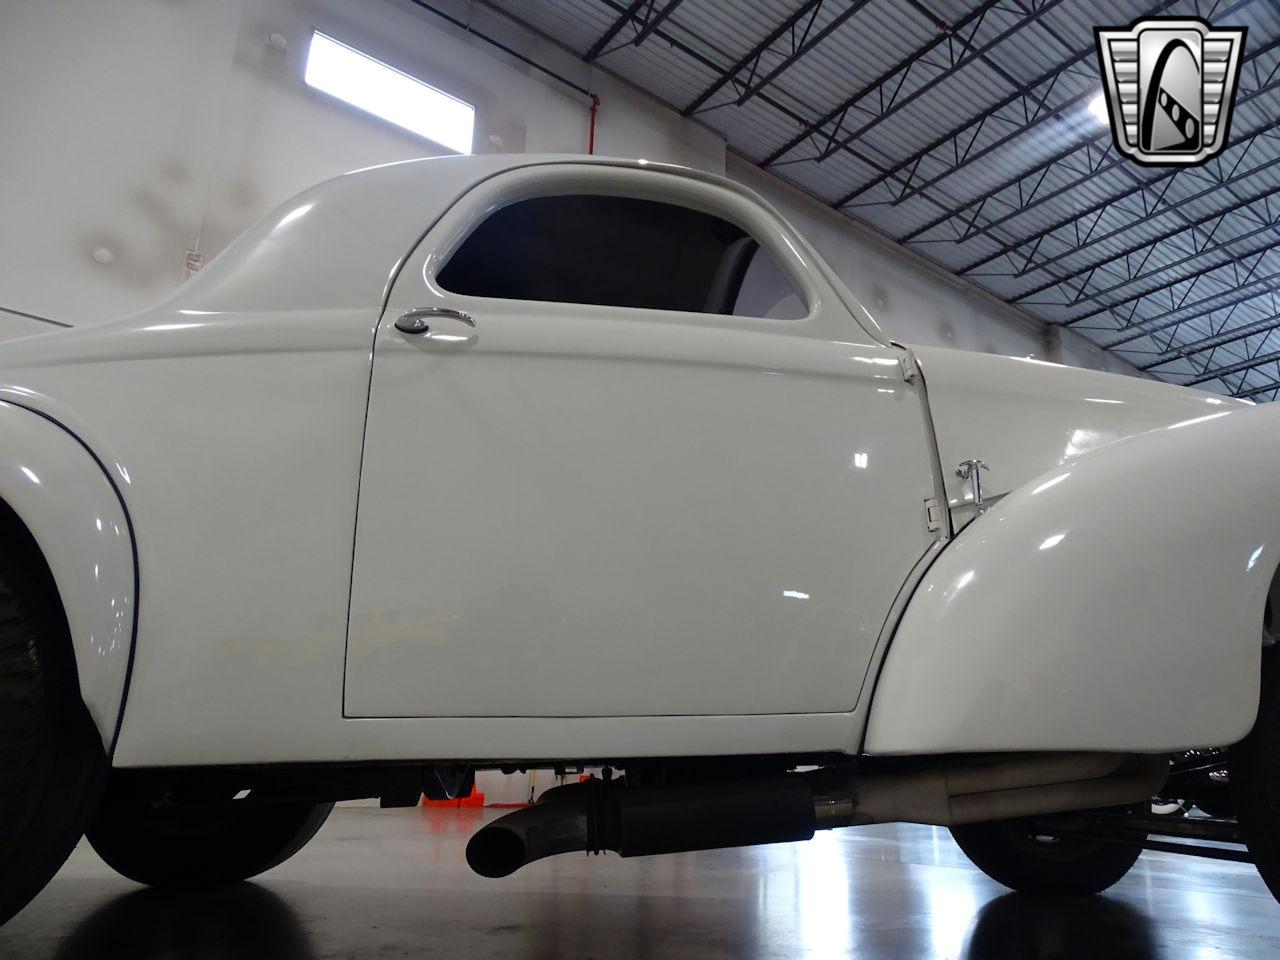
935 517
910 369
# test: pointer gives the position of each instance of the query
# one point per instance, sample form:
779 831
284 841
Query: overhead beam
1244 292
959 141
1185 231
751 60
1159 186
1229 369
1255 391
805 46
1235 260
702 59
1028 197
1085 160
786 111
884 83
971 130
1154 203
654 21
615 28
640 12
1168 285
790 113
970 51
1224 338
743 73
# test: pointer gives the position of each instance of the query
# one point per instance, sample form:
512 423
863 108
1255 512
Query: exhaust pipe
595 816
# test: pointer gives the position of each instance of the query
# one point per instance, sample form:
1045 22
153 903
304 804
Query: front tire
52 763
1254 772
193 846
1022 857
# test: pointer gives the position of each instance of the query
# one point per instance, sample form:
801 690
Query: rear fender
1115 603
63 496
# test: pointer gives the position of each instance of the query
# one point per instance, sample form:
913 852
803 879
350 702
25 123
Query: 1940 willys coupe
509 462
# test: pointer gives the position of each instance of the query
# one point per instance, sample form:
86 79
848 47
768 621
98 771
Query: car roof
337 244
340 244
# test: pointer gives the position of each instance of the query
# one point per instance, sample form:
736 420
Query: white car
506 462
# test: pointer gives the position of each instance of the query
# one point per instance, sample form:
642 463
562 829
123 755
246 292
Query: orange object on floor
474 799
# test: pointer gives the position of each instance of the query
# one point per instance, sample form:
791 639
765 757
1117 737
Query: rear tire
1016 854
52 763
1254 772
201 846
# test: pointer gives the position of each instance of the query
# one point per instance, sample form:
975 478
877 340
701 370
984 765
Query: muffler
595 816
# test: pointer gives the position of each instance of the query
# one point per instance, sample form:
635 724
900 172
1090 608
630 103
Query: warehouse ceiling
963 130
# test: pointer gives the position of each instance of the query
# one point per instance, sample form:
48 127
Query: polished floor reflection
381 884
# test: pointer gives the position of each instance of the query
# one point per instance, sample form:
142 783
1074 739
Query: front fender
61 492
1115 603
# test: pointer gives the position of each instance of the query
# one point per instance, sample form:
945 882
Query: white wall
155 127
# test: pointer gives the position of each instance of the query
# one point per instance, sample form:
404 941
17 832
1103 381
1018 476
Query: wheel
52 763
1253 769
1016 854
187 845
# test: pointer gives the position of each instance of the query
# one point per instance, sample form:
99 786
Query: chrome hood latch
971 470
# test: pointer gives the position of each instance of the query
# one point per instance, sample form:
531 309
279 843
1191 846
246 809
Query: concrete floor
389 884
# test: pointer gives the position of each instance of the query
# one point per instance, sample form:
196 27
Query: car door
590 489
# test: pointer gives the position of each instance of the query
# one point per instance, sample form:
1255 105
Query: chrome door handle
418 320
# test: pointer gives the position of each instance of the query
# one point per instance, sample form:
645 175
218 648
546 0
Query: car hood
1022 416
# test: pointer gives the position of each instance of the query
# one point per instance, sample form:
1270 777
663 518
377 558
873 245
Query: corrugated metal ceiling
962 130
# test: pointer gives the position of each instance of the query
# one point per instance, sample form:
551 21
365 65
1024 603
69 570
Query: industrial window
620 252
384 91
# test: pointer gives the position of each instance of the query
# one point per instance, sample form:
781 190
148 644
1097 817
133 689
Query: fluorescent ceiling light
1098 107
384 91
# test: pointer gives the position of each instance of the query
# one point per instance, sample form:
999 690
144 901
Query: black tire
1012 853
1254 772
200 846
52 763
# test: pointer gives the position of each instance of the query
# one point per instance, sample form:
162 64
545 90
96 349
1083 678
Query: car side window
620 252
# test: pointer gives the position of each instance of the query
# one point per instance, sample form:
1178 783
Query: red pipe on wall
591 134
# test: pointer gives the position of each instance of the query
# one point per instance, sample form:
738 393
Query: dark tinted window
615 251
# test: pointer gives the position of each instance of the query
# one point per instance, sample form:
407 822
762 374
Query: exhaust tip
495 852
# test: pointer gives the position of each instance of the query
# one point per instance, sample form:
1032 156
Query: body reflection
1021 927
243 921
